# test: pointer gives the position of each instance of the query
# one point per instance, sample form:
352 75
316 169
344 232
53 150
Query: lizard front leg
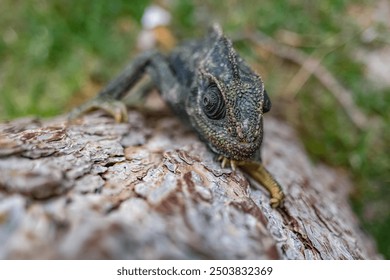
110 98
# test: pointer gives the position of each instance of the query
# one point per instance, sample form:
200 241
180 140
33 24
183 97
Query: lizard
210 87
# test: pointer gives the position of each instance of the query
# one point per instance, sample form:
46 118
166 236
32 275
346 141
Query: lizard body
209 86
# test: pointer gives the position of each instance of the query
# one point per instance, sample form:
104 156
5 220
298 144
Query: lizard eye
213 104
267 103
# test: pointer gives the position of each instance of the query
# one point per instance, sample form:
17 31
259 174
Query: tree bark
150 189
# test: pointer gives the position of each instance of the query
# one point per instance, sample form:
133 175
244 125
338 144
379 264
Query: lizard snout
244 132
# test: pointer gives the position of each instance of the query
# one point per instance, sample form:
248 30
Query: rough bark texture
149 189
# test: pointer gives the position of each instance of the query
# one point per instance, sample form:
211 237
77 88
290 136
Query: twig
302 76
312 66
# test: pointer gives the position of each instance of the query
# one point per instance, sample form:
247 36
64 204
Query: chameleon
212 89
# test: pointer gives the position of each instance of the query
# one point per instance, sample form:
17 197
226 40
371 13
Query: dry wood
149 189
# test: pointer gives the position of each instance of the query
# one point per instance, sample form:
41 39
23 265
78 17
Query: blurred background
326 66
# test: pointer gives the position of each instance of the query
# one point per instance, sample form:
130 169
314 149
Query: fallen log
150 189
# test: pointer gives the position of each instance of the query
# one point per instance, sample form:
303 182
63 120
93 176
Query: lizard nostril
246 133
239 130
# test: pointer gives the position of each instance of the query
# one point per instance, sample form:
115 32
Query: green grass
50 49
53 51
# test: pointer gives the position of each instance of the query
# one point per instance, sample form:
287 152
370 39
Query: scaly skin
210 87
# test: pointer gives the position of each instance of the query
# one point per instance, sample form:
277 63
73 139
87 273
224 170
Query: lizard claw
114 108
276 199
259 173
225 162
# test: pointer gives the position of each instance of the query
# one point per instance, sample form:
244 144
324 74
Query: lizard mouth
233 149
241 145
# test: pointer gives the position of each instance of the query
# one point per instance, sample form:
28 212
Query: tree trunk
149 189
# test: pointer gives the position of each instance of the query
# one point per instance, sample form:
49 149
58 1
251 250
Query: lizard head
227 105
